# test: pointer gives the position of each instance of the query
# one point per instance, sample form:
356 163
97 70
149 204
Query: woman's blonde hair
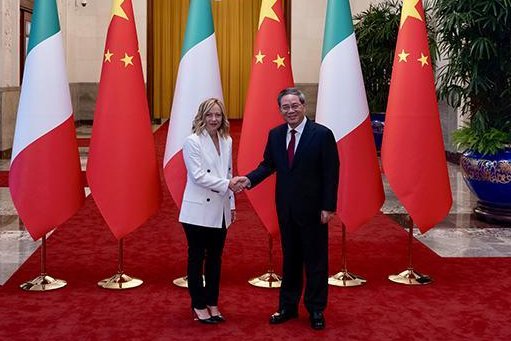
199 122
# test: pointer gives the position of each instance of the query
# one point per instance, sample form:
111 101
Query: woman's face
213 119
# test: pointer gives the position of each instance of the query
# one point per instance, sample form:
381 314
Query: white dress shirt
298 134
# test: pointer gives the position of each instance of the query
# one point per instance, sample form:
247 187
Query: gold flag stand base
120 281
346 279
267 280
181 282
43 283
410 277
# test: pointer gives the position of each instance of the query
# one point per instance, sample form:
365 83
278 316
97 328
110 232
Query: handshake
239 183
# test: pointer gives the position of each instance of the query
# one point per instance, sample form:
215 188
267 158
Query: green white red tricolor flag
122 169
198 79
413 153
271 73
45 176
342 106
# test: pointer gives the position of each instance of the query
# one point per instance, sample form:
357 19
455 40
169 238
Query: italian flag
198 79
342 106
45 176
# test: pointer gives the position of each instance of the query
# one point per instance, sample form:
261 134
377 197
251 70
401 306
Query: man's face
292 110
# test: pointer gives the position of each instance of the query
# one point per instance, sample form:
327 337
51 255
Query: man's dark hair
291 91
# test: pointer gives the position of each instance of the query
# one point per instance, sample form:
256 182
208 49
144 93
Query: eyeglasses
287 108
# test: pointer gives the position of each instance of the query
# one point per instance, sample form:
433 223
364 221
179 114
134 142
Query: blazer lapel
224 157
211 152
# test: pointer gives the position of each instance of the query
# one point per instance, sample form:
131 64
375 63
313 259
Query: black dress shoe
317 320
282 316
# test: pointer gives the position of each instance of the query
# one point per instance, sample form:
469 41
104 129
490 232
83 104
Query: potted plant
376 30
475 38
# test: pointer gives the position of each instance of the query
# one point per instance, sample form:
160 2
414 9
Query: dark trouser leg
196 252
315 246
214 248
292 268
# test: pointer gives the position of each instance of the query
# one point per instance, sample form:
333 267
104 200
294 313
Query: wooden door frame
26 6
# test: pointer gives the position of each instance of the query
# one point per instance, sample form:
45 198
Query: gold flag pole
344 278
410 276
120 280
43 282
269 279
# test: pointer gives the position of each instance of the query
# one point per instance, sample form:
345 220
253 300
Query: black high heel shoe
218 318
209 320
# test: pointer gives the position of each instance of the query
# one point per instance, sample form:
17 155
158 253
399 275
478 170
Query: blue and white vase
489 178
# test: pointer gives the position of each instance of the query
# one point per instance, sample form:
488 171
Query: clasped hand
239 183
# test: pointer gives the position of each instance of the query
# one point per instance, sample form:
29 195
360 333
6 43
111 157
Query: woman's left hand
233 216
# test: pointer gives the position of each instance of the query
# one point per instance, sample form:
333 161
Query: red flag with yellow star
413 153
271 72
122 170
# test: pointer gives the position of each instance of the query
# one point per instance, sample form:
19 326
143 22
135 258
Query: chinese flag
413 153
122 171
271 72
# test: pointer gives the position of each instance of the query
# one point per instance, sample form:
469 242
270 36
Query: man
304 156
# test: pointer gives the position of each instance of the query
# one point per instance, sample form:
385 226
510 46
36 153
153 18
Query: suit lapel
304 141
281 144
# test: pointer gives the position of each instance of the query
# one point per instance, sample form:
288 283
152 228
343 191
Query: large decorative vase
377 124
489 178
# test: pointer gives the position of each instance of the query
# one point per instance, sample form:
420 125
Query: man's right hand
239 183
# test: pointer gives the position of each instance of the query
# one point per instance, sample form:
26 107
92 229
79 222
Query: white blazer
207 198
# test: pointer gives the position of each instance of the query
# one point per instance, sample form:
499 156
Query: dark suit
302 192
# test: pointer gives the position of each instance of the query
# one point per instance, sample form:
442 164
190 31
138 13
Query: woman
207 209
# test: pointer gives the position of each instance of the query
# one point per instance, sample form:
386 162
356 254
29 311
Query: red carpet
469 299
83 141
4 178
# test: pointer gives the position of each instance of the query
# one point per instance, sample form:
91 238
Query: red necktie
291 147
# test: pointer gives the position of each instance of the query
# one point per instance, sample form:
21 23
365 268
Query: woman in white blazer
208 207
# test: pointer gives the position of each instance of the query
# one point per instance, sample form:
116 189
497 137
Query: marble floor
460 234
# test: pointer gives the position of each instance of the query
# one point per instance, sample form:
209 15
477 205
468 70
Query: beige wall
9 46
307 36
86 29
